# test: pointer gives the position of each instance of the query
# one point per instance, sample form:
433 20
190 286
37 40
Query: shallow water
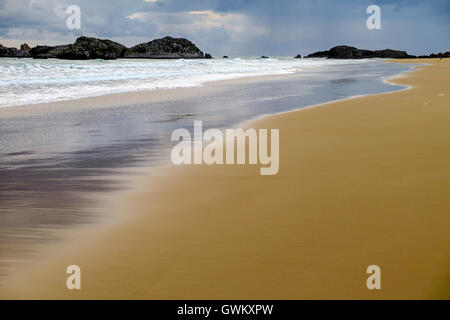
28 81
48 161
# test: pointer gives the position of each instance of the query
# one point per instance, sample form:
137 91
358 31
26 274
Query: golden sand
362 181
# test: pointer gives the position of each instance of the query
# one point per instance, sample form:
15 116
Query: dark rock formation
99 48
299 56
392 54
41 52
24 51
25 47
319 54
225 57
84 48
447 54
8 52
347 52
165 48
264 57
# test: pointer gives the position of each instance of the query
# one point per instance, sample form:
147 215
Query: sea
28 81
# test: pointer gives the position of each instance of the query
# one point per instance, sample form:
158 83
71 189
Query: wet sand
362 181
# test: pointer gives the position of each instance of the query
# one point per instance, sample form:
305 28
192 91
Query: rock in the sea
447 54
41 52
264 57
24 51
84 48
8 52
99 48
25 47
225 57
392 54
299 56
347 52
319 54
166 48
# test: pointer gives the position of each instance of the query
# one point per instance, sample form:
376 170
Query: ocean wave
27 81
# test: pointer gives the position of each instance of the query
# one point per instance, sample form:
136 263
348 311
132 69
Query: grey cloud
239 27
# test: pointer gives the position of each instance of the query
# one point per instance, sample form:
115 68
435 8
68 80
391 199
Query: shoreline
389 81
139 209
119 99
113 100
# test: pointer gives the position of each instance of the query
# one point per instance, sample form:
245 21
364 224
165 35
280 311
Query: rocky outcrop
165 48
225 57
25 47
8 52
347 52
319 54
84 48
41 52
99 48
24 51
299 56
388 53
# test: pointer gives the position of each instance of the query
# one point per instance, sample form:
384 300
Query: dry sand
362 181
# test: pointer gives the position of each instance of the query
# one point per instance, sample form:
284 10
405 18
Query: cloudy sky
235 27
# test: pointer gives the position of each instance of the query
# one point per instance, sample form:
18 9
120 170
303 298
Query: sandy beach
362 181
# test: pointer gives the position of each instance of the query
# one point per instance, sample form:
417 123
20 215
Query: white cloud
239 26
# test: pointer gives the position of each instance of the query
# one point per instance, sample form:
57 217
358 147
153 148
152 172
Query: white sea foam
27 81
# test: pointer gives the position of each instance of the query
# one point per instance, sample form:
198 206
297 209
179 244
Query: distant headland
87 48
347 52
